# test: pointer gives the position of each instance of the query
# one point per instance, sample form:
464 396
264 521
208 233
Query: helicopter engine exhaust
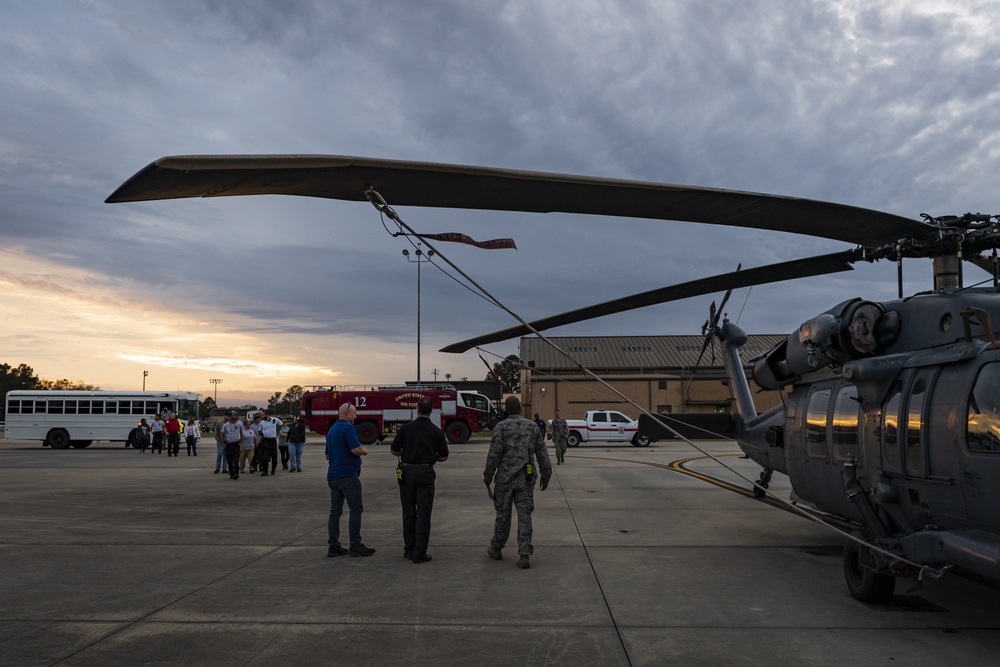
851 330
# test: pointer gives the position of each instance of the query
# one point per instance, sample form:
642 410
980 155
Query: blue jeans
349 489
295 449
220 457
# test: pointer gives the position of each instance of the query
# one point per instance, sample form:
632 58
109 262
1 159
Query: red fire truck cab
381 410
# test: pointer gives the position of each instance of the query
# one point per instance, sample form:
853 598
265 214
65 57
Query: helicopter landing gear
765 479
864 583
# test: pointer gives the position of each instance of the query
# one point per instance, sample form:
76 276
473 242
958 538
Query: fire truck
381 410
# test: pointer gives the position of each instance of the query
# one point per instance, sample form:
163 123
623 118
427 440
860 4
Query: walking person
560 433
191 435
419 444
297 443
220 446
173 428
540 423
156 432
343 476
142 436
515 444
268 449
248 444
232 433
283 445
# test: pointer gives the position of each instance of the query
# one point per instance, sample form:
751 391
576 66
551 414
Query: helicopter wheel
765 479
863 582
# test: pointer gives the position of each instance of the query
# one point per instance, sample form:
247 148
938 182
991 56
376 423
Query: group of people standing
169 429
517 457
258 443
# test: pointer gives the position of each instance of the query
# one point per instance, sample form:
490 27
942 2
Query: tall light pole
216 382
420 259
144 374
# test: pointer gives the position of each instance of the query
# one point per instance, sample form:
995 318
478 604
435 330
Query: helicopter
890 429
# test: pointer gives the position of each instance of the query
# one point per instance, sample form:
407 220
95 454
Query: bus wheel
458 433
57 439
80 444
368 433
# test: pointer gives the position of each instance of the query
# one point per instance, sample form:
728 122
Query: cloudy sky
892 105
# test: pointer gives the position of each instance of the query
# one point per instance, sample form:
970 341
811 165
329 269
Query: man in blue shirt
343 475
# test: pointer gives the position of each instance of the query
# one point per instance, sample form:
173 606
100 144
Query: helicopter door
831 429
915 452
891 462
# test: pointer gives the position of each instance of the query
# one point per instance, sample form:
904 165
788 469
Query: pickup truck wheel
573 439
640 441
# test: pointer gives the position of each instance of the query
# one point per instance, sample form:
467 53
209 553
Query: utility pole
144 374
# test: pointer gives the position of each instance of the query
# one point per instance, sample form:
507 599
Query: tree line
23 376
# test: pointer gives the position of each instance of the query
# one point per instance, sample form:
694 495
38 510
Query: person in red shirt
173 428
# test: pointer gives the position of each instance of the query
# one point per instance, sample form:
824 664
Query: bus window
83 408
55 407
110 407
845 424
914 423
819 403
983 424
890 427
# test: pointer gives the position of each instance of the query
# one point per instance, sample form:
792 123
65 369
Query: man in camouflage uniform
516 442
560 432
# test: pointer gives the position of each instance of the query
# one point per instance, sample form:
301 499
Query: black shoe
335 551
408 555
216 471
361 550
272 472
494 553
421 559
264 474
523 562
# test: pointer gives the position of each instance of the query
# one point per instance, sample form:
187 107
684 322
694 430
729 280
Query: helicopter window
983 433
819 402
845 424
890 428
914 422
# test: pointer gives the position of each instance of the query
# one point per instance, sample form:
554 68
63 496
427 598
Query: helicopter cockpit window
914 423
819 403
983 434
845 424
890 428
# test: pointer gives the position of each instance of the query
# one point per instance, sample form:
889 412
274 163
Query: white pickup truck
609 425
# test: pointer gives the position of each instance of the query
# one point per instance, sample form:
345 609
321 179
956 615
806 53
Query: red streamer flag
454 237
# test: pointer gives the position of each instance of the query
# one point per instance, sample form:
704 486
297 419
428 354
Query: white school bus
77 418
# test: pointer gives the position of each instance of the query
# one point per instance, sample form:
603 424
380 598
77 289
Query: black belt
418 465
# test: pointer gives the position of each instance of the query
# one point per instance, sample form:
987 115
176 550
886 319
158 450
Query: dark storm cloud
889 106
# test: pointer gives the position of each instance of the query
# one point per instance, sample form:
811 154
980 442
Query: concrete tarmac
112 557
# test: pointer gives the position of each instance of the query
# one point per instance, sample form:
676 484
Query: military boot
494 553
523 563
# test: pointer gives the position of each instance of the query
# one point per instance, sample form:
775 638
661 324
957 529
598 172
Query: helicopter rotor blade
468 187
761 275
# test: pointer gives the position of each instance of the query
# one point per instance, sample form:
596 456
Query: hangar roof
634 353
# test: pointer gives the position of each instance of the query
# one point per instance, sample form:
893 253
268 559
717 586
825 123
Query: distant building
657 372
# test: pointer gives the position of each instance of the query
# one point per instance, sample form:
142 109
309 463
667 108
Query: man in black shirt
419 444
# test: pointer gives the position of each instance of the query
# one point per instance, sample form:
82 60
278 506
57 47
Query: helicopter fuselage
895 428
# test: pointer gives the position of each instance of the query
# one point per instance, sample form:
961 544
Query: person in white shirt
269 442
156 430
232 435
